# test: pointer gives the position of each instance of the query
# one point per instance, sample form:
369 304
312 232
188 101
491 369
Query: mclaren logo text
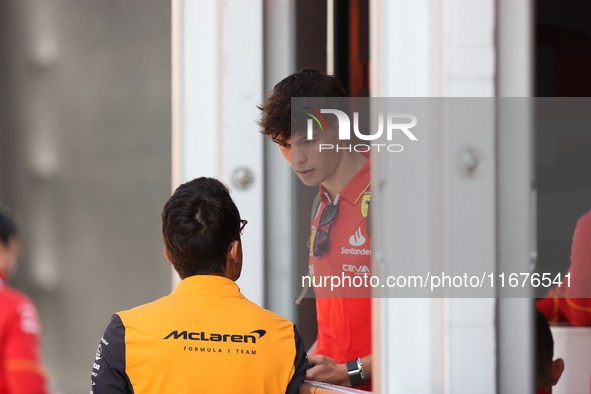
201 336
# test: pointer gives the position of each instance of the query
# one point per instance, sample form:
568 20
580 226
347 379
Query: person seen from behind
205 337
548 371
570 300
21 370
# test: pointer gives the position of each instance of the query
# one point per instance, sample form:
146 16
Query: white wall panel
218 79
428 49
279 19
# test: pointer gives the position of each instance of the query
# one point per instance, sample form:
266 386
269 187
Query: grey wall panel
90 165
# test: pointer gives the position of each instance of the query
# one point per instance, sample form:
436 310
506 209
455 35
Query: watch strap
354 371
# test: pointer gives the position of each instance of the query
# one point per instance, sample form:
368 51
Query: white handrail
310 387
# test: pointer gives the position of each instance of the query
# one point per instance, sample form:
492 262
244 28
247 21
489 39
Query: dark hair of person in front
548 371
199 223
544 350
276 118
8 227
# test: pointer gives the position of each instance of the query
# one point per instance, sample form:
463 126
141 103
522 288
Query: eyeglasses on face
242 225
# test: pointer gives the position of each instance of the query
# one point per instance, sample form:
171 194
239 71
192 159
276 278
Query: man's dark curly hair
276 118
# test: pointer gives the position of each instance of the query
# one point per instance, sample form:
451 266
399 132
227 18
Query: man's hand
328 371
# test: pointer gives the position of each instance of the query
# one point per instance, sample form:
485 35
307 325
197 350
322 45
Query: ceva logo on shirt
357 239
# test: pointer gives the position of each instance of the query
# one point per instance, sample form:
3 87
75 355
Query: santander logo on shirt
357 239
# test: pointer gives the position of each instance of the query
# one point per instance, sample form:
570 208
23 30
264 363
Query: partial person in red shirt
573 303
547 371
339 242
21 371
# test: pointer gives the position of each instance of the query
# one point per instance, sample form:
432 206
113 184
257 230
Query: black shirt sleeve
301 364
108 370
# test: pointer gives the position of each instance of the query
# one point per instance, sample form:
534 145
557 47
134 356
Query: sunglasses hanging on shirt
321 240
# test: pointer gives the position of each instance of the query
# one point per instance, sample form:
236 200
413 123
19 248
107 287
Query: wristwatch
356 373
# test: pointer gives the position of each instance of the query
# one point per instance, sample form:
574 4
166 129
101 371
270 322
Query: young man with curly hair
339 242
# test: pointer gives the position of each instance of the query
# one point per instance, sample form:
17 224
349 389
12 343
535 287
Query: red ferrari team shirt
20 369
344 312
573 304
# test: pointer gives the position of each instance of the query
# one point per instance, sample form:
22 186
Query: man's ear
557 369
9 256
234 248
3 257
166 255
234 261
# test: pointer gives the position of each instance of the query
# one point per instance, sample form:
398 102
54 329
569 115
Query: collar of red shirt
208 286
542 391
356 186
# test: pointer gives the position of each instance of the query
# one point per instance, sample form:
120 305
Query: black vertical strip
300 363
363 31
310 34
341 41
108 372
311 18
364 45
303 195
